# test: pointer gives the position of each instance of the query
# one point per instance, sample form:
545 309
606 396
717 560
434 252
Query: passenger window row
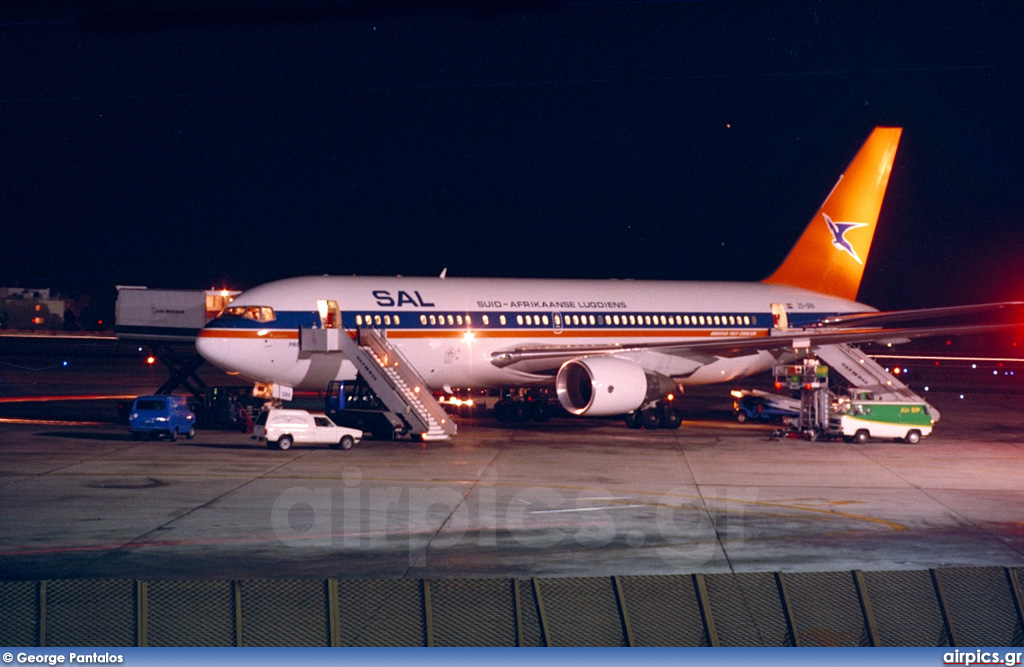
560 320
378 320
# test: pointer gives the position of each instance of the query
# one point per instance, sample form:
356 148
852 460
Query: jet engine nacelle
602 386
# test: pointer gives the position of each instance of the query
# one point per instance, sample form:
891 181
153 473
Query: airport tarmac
568 498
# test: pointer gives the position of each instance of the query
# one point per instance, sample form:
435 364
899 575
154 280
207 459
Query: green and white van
908 422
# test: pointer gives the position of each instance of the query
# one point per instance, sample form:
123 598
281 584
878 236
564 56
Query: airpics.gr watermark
358 514
958 657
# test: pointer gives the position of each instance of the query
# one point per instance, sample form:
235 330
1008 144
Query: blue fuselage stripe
493 320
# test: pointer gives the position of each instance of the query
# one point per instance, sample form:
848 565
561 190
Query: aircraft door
330 314
780 320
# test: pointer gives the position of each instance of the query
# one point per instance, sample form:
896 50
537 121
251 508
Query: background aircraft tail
829 257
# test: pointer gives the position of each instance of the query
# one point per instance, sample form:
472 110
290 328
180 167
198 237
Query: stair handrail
391 357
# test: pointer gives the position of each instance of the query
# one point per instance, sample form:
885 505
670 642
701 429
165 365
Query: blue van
161 415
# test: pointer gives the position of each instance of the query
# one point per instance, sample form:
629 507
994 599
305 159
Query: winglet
829 257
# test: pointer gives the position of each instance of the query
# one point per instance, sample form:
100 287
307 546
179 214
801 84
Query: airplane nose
215 349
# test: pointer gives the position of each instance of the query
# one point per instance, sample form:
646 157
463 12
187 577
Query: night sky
193 147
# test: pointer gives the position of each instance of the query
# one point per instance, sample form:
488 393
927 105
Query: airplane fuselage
452 329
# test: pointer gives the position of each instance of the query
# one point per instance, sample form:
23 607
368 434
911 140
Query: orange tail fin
830 255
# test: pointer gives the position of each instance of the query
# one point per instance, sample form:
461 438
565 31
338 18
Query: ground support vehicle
280 428
908 422
161 415
763 407
856 414
355 405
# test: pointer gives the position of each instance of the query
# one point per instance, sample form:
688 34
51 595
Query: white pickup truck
280 428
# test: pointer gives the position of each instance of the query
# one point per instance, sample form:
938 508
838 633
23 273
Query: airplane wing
874 319
788 339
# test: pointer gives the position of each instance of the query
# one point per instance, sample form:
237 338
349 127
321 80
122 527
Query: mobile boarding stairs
388 374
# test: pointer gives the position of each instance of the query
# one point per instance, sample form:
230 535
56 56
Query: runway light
150 360
65 363
961 397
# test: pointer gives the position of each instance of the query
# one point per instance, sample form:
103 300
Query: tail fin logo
814 263
838 231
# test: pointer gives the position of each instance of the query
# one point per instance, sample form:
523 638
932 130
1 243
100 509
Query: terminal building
34 309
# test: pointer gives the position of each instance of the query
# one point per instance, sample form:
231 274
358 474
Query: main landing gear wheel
539 411
664 416
508 410
672 419
520 412
651 418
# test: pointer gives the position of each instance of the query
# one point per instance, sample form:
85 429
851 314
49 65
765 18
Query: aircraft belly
725 369
462 363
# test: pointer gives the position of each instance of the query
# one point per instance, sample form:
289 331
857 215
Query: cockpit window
256 313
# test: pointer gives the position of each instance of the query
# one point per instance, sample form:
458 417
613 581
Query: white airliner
608 347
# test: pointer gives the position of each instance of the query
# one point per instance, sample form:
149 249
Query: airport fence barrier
945 607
